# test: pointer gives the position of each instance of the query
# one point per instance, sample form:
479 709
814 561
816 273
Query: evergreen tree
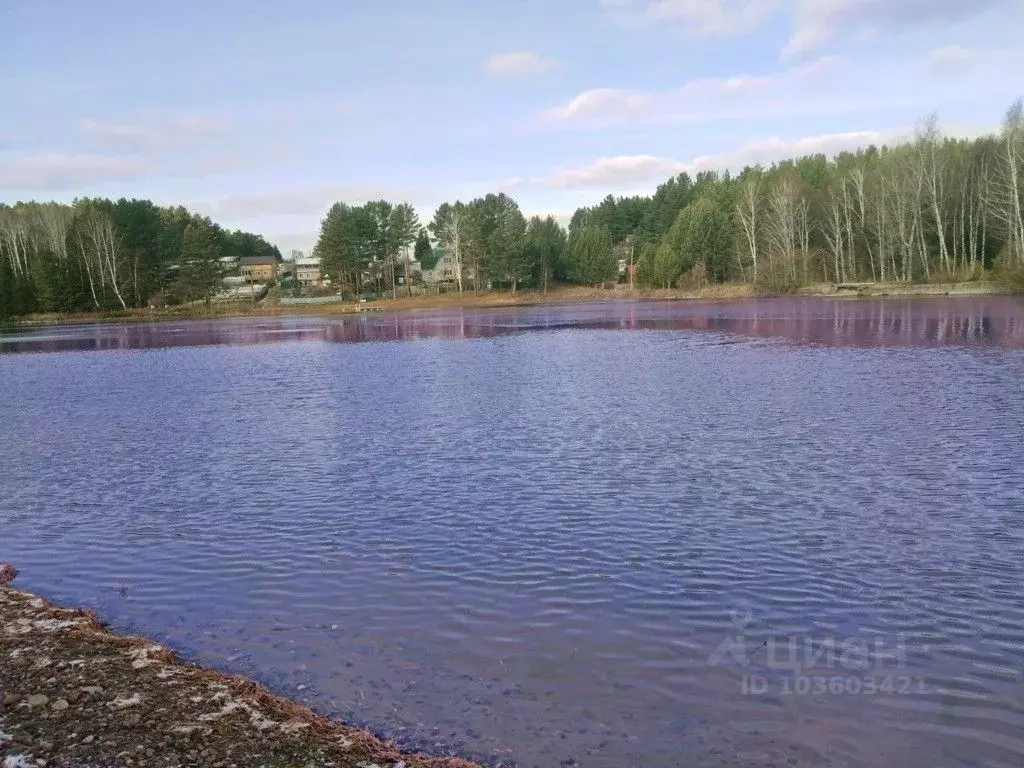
200 274
345 246
709 238
424 252
496 234
546 242
591 260
701 234
7 308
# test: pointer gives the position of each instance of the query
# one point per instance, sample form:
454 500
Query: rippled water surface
615 534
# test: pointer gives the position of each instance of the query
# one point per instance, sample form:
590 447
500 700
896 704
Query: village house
258 269
307 270
446 270
228 264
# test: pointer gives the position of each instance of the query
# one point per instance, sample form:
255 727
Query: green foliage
666 265
424 251
344 245
545 245
505 240
240 244
494 242
647 267
926 209
778 277
495 236
929 209
674 256
57 286
701 234
200 274
7 308
1009 272
708 238
99 254
622 217
139 226
359 244
670 198
443 225
591 260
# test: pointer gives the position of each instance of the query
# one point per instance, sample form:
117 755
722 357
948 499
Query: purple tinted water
985 321
589 533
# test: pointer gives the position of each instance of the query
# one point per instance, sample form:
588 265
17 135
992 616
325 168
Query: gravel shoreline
73 694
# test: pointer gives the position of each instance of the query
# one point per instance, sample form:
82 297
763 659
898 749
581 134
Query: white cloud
816 68
615 173
287 241
825 86
504 185
817 22
951 59
519 64
152 131
718 18
806 39
705 98
773 149
632 173
726 86
601 104
562 217
701 18
307 201
814 23
55 170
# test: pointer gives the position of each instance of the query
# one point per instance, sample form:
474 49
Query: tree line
99 254
489 239
928 208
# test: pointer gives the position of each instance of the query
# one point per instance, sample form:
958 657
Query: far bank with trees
930 209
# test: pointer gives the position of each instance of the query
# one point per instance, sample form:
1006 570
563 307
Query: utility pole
408 272
629 239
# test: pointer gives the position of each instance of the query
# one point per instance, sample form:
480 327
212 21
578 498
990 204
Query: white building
307 270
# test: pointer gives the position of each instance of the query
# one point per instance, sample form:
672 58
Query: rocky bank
73 694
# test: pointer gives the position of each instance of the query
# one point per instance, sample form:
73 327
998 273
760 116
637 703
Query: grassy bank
74 694
498 299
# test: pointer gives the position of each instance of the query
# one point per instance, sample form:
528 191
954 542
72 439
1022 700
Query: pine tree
424 252
591 259
200 275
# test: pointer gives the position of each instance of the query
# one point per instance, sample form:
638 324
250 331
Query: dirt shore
73 695
503 299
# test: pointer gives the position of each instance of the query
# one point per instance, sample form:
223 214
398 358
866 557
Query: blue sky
262 113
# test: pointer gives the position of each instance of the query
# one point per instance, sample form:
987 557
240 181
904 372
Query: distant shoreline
505 300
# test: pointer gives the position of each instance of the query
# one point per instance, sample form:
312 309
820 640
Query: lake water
782 532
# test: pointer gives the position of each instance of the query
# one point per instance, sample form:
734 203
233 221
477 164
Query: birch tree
102 238
835 234
448 228
1009 184
14 238
748 211
782 226
933 173
55 222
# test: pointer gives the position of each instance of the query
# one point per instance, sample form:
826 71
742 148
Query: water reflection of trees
989 321
877 323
